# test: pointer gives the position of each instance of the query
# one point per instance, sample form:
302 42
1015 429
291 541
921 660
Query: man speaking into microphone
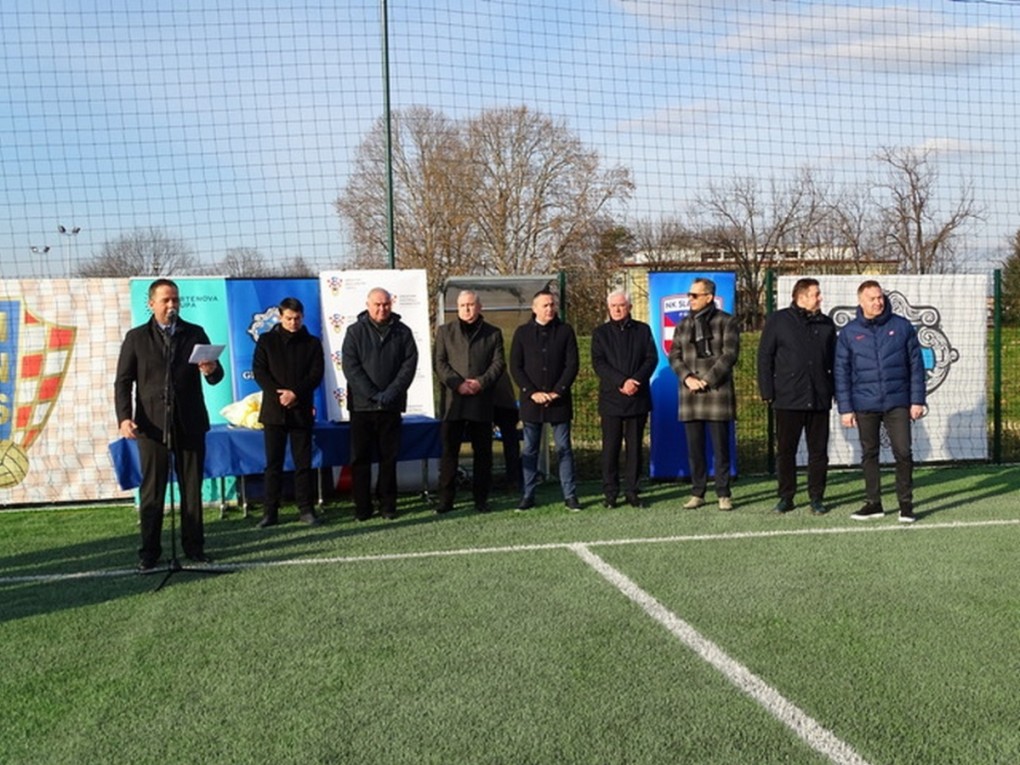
154 365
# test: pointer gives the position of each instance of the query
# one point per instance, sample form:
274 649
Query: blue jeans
564 455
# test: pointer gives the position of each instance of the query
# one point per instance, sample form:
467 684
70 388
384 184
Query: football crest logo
937 350
34 358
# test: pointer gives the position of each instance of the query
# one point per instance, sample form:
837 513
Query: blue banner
667 306
252 305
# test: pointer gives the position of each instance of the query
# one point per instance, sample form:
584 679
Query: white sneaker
694 503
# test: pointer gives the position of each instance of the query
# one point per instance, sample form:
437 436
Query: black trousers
719 432
790 424
189 464
451 432
304 477
617 431
506 420
897 425
375 437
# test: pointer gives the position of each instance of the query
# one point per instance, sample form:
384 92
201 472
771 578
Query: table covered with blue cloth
233 451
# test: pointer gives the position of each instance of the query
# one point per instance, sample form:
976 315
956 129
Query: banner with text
344 294
667 306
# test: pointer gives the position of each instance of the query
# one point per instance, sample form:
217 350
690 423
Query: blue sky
233 124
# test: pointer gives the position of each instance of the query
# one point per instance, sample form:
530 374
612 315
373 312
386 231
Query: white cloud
880 39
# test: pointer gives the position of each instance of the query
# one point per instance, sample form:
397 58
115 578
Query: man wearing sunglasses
706 344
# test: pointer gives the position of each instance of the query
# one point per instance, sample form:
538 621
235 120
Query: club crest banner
668 305
950 314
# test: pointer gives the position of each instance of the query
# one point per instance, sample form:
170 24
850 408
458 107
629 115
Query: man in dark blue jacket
880 380
795 358
624 357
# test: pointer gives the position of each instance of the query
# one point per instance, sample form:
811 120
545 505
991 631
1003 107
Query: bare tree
588 285
509 191
244 262
296 267
538 194
431 183
662 242
752 227
852 228
921 236
142 252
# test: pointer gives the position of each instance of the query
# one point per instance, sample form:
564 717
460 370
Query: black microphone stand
169 424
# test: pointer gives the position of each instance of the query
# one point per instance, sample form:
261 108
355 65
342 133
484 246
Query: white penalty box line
467 551
805 727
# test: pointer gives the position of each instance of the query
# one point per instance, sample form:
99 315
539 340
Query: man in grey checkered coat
706 344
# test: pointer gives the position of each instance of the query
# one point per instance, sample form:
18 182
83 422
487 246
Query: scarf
702 335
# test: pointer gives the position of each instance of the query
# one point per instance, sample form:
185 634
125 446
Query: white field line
352 559
785 711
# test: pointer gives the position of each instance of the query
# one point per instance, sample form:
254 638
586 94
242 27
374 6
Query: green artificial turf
488 639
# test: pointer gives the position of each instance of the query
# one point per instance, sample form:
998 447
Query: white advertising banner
344 294
950 314
59 342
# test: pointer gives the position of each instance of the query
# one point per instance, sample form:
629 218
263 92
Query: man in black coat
288 366
152 352
795 376
379 358
468 360
623 356
544 364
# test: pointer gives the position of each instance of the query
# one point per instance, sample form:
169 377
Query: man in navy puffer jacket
880 380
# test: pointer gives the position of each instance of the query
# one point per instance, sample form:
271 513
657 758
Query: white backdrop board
950 314
343 297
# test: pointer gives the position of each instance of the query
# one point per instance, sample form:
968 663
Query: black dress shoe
267 521
526 503
146 566
199 557
635 501
482 507
609 502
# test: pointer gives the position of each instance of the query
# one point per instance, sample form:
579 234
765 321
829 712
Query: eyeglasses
693 295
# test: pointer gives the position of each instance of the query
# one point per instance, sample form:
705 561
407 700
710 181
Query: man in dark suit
468 360
624 357
704 352
544 364
152 352
288 367
795 362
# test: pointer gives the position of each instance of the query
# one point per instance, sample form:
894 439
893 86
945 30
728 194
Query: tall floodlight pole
390 251
68 234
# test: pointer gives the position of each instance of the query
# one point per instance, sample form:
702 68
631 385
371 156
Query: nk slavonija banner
667 306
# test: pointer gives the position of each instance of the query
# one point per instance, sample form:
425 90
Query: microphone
171 321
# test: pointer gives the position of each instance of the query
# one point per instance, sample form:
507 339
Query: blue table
232 451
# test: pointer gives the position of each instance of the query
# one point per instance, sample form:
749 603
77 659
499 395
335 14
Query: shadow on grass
98 566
